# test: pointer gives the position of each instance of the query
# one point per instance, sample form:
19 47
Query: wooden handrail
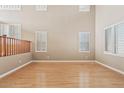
11 46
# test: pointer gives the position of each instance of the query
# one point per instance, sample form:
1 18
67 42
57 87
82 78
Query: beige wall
107 15
11 62
62 24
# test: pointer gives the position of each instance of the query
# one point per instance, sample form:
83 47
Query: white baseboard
63 61
13 70
114 69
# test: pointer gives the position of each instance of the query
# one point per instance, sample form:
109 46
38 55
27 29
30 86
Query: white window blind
11 30
4 29
110 40
84 41
84 8
10 7
41 7
41 41
120 38
15 31
114 39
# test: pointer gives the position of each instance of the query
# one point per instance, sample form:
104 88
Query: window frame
36 42
19 35
112 27
89 42
115 38
7 31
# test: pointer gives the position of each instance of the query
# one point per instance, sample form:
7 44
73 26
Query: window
4 29
41 7
114 39
84 8
109 40
84 41
11 30
10 7
41 41
15 31
120 38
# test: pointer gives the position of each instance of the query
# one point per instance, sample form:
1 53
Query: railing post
30 46
1 46
4 45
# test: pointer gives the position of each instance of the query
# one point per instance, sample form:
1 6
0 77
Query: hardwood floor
63 75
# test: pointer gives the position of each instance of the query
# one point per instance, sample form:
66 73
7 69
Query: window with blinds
84 41
4 29
10 7
110 40
114 39
120 38
11 30
41 7
15 31
41 41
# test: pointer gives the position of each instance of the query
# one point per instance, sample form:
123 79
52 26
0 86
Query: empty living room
61 46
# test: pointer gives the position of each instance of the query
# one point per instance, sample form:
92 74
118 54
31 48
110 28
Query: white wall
107 15
10 62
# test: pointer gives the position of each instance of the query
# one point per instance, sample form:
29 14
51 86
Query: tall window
41 41
109 40
15 31
11 30
114 39
84 41
120 38
4 29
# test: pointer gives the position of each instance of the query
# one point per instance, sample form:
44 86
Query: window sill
40 51
84 51
118 55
